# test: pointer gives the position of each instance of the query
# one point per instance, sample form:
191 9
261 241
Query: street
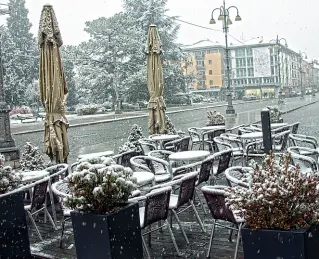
110 135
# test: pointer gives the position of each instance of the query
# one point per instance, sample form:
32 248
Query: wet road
108 136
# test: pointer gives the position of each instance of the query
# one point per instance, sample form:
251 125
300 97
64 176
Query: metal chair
215 198
255 151
280 141
195 137
186 187
306 158
156 210
146 146
178 145
62 191
208 138
238 176
159 167
294 128
124 158
222 159
39 203
303 141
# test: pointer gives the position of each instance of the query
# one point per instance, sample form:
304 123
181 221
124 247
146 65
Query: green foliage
9 180
279 197
32 159
100 191
19 51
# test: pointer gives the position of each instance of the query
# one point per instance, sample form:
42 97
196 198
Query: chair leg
149 236
180 225
50 218
197 216
159 223
33 222
52 203
211 239
202 205
238 239
146 248
62 232
173 239
230 234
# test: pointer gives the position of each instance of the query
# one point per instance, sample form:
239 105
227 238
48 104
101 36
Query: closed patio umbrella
155 83
53 88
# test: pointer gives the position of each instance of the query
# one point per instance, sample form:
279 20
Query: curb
146 115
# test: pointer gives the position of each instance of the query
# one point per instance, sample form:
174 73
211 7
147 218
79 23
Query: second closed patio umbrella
53 88
155 83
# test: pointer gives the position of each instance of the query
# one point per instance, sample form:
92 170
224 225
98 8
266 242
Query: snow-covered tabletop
165 137
217 127
276 125
33 176
93 155
252 135
143 178
189 155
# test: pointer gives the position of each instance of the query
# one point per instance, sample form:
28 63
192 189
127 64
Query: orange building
205 62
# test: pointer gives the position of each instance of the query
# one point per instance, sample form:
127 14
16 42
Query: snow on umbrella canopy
155 83
53 89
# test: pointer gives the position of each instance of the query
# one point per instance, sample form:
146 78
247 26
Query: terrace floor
162 246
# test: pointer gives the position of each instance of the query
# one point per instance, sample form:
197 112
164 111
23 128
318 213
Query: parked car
249 97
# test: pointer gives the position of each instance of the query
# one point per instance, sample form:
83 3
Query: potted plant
14 238
105 225
215 119
32 159
132 141
275 115
280 210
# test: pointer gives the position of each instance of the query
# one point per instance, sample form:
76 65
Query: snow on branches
280 196
32 158
9 179
102 190
214 118
136 133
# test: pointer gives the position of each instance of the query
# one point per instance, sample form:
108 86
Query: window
210 62
210 82
250 72
198 63
249 52
210 72
272 70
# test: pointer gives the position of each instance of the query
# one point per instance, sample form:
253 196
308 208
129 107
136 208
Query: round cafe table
164 137
99 154
275 125
217 127
252 135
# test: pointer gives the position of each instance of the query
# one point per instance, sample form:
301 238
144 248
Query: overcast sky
294 20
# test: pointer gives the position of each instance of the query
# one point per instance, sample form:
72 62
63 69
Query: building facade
261 69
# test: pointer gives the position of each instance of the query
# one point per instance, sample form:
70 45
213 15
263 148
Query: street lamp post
301 72
278 46
224 16
7 144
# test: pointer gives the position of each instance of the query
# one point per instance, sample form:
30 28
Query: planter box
112 236
279 244
14 238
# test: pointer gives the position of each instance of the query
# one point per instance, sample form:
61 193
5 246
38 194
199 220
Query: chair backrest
282 139
294 127
223 160
215 198
193 133
184 144
187 188
303 141
221 144
305 152
126 157
304 162
205 170
146 146
238 176
57 172
39 194
156 205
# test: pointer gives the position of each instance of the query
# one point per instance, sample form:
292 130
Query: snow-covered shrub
214 118
275 114
170 127
20 110
135 135
31 159
96 159
280 196
89 109
100 191
9 179
197 98
106 106
96 163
